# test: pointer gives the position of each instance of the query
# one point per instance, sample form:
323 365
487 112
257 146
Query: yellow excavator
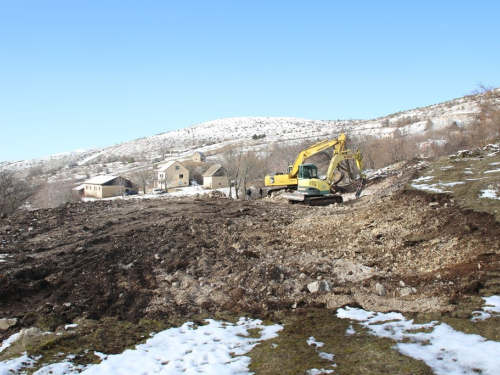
289 180
302 183
313 191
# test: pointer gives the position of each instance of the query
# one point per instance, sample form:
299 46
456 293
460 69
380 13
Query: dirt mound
389 250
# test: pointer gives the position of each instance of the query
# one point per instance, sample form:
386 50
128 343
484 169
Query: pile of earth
392 249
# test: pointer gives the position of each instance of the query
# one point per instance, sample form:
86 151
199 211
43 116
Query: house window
181 176
176 167
161 175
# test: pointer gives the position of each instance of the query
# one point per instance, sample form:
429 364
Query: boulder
7 323
319 286
4 324
27 336
380 289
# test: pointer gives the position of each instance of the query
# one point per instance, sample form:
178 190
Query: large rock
380 289
27 336
7 323
319 286
405 291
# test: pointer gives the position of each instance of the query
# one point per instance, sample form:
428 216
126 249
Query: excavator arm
289 179
338 145
340 157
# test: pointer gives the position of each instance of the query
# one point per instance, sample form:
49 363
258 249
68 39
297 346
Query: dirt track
389 250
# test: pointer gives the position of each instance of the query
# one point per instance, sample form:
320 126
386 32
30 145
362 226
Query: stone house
106 186
198 157
390 133
172 174
215 177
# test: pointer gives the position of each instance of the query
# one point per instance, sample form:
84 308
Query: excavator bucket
339 176
361 186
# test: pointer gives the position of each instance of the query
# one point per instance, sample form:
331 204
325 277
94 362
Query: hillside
419 251
210 136
103 275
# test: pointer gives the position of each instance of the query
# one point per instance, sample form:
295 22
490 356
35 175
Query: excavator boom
338 144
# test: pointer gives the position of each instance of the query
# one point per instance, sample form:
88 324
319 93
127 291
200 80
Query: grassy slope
470 171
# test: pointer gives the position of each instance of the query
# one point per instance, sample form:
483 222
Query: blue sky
79 74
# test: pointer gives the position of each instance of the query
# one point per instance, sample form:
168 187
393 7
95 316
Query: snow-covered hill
212 135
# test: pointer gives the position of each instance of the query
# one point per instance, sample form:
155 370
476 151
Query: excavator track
324 200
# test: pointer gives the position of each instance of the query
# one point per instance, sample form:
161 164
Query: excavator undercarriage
311 200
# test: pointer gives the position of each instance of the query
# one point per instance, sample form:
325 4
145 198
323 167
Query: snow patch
323 355
215 348
443 349
492 194
490 308
493 171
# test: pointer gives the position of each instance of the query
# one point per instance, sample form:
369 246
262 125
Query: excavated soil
175 257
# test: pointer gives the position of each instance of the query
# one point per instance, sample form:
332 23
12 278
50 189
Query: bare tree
366 144
144 176
281 156
53 194
400 148
196 173
487 128
252 168
230 159
14 192
123 184
241 166
35 171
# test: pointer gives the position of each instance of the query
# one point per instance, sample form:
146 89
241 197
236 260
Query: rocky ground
101 276
392 249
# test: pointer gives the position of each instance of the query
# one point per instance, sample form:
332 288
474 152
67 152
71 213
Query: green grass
356 354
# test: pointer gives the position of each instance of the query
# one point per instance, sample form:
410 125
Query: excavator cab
308 171
309 183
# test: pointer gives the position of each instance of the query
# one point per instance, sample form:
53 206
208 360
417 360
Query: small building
106 186
172 174
390 133
215 177
198 157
